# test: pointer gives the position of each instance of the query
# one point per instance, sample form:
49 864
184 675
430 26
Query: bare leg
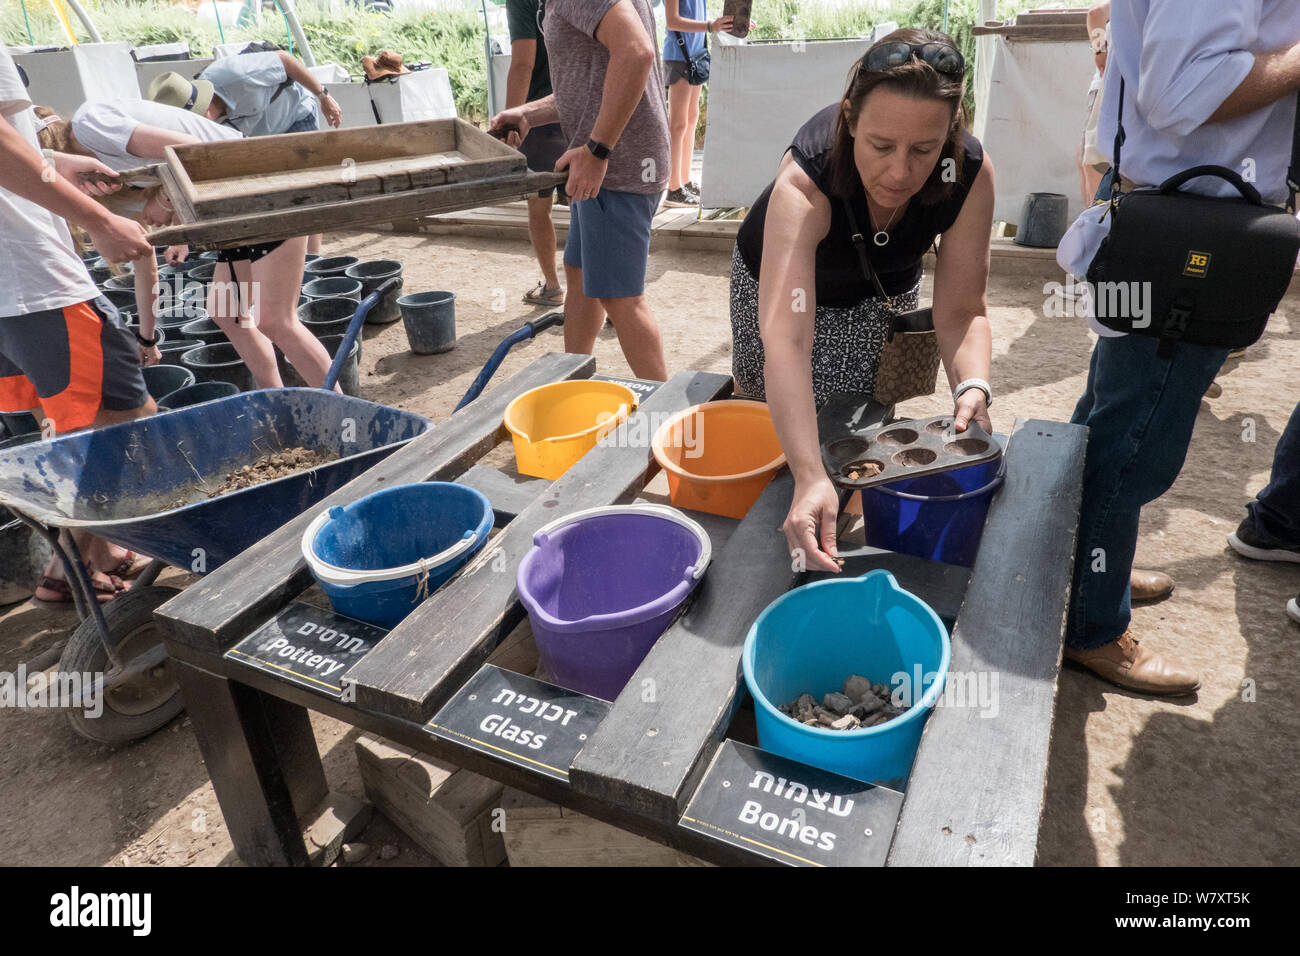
541 230
583 317
229 304
688 138
638 334
678 117
277 277
314 244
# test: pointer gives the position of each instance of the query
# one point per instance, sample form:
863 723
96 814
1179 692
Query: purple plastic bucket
601 585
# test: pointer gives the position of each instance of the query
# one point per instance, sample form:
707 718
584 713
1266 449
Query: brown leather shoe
1126 663
1149 586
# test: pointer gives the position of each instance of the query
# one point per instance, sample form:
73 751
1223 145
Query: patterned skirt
846 341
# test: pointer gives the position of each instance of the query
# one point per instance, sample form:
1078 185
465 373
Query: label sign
521 720
642 388
310 646
792 813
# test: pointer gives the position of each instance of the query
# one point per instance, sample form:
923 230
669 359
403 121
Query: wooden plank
263 192
437 804
648 756
539 833
975 796
267 154
286 224
428 656
1046 31
231 601
509 494
178 194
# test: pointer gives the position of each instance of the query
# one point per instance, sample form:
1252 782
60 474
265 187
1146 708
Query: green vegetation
451 38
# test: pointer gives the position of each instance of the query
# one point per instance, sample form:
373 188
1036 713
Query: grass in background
453 38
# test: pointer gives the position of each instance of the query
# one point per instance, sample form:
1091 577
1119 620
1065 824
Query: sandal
540 295
130 565
105 590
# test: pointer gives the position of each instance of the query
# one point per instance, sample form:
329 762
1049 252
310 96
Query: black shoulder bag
697 67
1186 268
909 362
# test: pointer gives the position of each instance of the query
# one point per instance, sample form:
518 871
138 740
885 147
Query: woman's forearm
787 377
965 345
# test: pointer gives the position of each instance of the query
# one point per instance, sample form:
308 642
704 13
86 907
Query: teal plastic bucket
812 639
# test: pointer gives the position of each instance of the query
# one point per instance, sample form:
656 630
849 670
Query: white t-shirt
105 128
38 268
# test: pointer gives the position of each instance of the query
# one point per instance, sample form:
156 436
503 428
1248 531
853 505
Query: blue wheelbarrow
149 485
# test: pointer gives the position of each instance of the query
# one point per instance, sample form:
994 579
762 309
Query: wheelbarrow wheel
147 701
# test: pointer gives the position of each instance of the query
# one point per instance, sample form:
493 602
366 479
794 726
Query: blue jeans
1140 410
1276 511
308 124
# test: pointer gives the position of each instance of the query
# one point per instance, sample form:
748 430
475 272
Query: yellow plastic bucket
719 456
554 425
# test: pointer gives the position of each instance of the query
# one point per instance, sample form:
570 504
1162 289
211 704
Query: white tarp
1031 119
759 96
89 72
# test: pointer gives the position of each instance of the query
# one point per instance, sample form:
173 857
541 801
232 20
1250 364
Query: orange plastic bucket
719 456
552 426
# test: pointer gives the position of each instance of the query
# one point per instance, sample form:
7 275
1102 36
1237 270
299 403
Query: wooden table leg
262 757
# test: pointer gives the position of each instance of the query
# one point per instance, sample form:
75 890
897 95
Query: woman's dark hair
914 78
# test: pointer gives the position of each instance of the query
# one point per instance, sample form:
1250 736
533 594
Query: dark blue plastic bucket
939 517
379 557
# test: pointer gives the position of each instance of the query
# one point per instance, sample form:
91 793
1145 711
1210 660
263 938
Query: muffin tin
905 449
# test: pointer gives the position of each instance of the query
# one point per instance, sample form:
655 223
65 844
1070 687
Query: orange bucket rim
623 412
657 444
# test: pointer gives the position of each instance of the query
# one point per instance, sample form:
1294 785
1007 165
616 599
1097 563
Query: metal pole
86 22
487 54
295 30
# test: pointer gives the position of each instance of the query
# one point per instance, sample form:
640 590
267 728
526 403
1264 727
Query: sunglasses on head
943 57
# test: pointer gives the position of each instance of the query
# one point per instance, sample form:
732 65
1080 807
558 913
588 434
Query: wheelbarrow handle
548 321
354 329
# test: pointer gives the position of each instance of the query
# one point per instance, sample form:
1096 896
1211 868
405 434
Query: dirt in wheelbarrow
280 464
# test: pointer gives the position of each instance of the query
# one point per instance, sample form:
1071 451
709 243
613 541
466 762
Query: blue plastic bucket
380 556
812 639
939 517
601 585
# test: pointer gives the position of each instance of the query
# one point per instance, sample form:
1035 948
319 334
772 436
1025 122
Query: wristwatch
599 150
324 92
979 383
148 342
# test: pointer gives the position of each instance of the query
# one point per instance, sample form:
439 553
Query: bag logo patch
1198 265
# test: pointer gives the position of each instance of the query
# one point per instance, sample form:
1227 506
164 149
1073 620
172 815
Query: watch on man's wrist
599 150
150 343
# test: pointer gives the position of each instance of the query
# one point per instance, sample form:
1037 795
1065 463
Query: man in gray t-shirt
617 163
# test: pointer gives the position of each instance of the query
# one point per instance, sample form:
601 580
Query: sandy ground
1131 781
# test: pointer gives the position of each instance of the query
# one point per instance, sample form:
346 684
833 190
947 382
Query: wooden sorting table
654 761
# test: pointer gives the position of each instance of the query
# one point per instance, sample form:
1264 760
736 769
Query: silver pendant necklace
881 238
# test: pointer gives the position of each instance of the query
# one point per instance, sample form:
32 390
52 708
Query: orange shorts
69 362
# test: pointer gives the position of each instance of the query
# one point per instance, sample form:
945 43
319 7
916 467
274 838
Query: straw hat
172 89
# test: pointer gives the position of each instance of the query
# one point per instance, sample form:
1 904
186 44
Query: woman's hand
810 526
175 255
149 355
972 406
721 24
